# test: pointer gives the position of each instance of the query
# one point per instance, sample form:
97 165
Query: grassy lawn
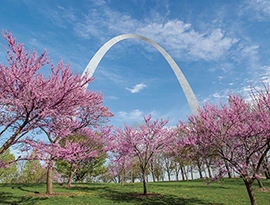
232 191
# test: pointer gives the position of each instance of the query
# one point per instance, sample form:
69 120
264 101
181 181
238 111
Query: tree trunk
144 184
153 175
176 175
123 177
186 174
250 192
176 171
152 171
209 170
260 183
169 176
191 172
72 171
228 170
49 189
199 169
267 174
131 177
266 168
182 173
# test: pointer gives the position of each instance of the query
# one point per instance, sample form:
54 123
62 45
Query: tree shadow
220 186
86 188
162 199
27 190
17 185
9 198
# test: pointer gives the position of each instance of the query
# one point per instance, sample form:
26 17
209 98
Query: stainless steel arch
92 65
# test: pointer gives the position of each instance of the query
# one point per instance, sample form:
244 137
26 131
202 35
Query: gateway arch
92 65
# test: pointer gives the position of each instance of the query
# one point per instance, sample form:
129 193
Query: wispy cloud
261 8
257 77
137 88
113 76
112 97
180 39
133 116
248 54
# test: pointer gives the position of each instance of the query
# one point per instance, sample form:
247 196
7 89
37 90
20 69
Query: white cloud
137 88
122 114
177 37
218 95
136 115
262 8
133 116
182 40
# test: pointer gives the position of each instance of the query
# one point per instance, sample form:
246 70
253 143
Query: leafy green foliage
85 168
8 174
33 172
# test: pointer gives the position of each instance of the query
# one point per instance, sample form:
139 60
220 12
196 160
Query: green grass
232 191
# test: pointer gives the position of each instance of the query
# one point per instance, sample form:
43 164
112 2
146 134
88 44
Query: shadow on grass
87 188
22 189
195 186
9 198
19 185
165 199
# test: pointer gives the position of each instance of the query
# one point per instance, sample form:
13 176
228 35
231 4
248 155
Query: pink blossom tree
73 150
93 144
28 100
237 135
143 143
57 104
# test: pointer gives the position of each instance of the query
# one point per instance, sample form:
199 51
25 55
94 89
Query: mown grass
232 191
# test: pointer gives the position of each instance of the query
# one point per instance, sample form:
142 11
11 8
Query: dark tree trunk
228 170
182 173
176 175
169 176
144 183
49 189
250 192
267 174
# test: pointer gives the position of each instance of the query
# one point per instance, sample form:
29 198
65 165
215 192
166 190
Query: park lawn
231 191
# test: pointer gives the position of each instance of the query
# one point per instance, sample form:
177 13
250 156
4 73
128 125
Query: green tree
90 168
33 172
85 168
8 174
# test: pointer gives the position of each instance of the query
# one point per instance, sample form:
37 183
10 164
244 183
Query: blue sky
221 47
